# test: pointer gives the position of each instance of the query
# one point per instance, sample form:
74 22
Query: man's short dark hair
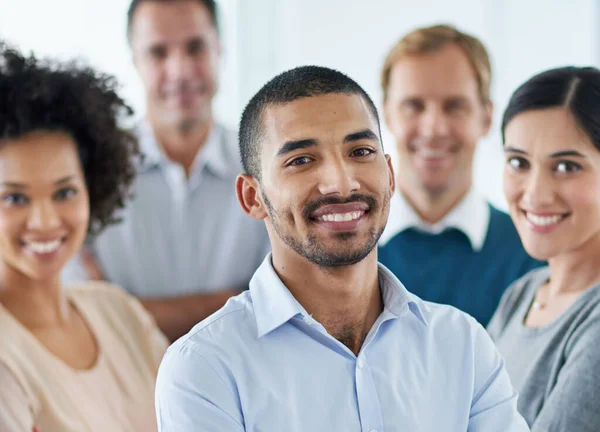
301 82
210 5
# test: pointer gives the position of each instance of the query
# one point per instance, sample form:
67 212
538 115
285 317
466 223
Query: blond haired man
443 239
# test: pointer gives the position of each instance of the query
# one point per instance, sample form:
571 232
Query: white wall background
264 37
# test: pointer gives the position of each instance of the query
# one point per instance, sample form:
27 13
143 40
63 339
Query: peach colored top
116 394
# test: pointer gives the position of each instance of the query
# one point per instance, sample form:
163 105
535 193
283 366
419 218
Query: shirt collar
274 304
212 154
471 216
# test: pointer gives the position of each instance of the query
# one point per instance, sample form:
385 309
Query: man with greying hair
327 339
443 239
184 246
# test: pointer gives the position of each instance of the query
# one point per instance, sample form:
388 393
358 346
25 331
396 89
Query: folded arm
175 316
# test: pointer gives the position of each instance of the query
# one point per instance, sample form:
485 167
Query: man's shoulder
451 333
503 240
234 323
443 317
501 223
226 143
229 149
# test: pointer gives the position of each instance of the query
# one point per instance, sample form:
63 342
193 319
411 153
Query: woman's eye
517 163
567 166
15 199
361 152
64 194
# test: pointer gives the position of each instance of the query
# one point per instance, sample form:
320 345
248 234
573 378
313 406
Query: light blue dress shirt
181 235
261 363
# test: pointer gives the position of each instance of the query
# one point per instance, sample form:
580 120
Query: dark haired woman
83 358
548 323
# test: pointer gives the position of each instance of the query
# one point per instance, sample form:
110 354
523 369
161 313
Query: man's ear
385 109
390 165
487 117
248 194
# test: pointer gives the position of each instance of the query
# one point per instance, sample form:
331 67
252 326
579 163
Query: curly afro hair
44 95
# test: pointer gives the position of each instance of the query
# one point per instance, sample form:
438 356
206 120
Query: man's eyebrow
365 134
290 146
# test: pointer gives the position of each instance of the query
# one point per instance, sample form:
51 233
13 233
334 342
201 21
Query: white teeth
341 217
433 153
45 247
543 220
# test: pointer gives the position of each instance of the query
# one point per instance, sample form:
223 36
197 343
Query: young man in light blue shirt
327 339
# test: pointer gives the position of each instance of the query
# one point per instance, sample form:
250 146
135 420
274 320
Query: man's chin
183 116
187 122
434 187
337 259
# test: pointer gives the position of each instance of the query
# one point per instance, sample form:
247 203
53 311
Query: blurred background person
443 239
74 359
263 38
548 324
184 246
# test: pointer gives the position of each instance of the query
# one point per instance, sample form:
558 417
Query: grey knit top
555 368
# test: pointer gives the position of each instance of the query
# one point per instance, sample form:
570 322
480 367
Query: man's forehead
433 73
309 114
166 23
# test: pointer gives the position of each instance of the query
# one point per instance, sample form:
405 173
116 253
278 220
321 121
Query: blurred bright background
264 37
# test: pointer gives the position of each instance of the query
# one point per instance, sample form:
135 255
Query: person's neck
181 143
433 207
35 304
345 300
576 271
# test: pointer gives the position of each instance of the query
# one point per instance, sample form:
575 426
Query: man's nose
338 178
434 122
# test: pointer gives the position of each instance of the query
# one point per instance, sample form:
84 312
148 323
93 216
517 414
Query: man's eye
302 160
363 151
412 106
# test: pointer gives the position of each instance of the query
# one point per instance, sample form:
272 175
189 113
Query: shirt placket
178 183
368 400
369 408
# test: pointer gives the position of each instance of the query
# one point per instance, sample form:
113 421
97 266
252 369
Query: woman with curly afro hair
83 358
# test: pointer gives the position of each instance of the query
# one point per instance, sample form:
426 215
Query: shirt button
372 430
359 364
307 320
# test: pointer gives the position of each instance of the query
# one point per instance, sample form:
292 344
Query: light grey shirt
555 368
181 235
